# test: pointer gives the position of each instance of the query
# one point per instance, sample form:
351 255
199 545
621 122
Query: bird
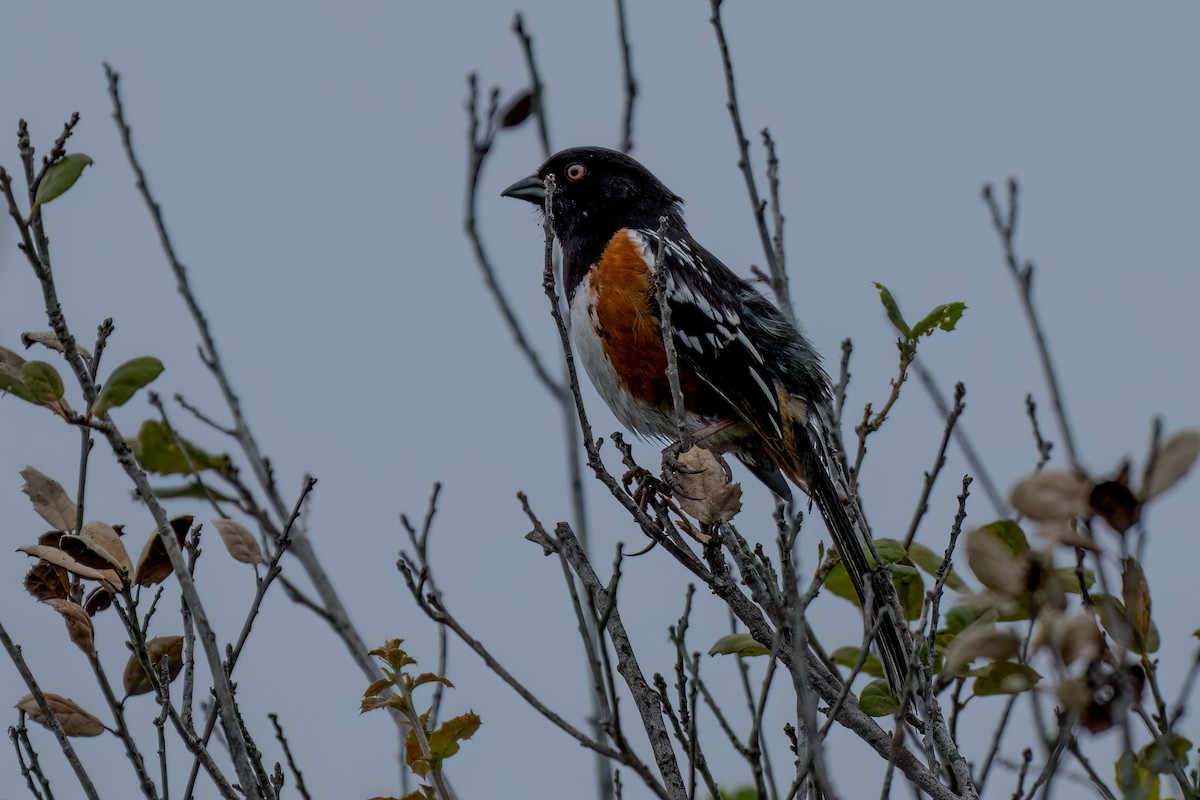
752 383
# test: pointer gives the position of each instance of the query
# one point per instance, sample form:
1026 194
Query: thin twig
938 462
668 338
978 469
20 739
1006 225
627 79
1043 447
51 720
773 266
301 545
539 91
287 751
779 278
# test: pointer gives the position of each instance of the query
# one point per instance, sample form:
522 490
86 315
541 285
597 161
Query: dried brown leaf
1063 532
154 565
137 681
1174 460
97 546
1073 638
518 109
60 559
74 720
97 600
239 541
701 485
79 624
46 581
1050 495
1135 592
50 500
1116 504
11 363
978 641
50 339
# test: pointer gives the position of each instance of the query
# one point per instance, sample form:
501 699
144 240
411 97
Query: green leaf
893 310
1010 534
838 582
60 176
156 450
848 656
1159 760
890 550
958 618
931 562
877 700
1070 578
1134 781
16 387
443 742
945 316
192 491
740 793
1004 677
43 381
124 382
742 644
910 587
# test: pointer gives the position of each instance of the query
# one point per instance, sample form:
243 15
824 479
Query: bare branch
14 653
1022 275
287 752
628 81
773 266
939 461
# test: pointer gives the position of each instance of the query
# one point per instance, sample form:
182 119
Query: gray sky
311 162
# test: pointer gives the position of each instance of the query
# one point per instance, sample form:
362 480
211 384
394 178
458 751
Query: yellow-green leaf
1004 677
945 316
124 382
60 176
43 381
848 657
743 644
443 742
1010 534
15 386
931 562
877 700
893 310
156 450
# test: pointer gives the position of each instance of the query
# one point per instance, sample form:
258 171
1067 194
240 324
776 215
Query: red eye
576 171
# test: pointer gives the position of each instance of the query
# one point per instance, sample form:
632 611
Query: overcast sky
310 162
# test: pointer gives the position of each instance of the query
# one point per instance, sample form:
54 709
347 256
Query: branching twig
759 207
627 80
287 752
52 722
301 545
1006 225
938 462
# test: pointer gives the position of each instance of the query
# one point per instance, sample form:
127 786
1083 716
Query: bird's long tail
873 587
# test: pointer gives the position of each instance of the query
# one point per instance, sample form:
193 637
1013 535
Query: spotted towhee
752 384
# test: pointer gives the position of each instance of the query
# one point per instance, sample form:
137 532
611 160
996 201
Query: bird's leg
646 486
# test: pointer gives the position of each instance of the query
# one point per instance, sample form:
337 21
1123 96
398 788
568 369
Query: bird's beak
529 189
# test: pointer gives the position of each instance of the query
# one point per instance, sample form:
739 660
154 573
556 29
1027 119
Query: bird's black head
597 192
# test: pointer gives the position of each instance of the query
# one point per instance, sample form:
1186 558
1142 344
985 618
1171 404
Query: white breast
634 415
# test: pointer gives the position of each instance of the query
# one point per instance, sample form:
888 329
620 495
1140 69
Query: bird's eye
576 171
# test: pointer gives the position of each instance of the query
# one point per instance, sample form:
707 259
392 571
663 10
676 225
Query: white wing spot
745 340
